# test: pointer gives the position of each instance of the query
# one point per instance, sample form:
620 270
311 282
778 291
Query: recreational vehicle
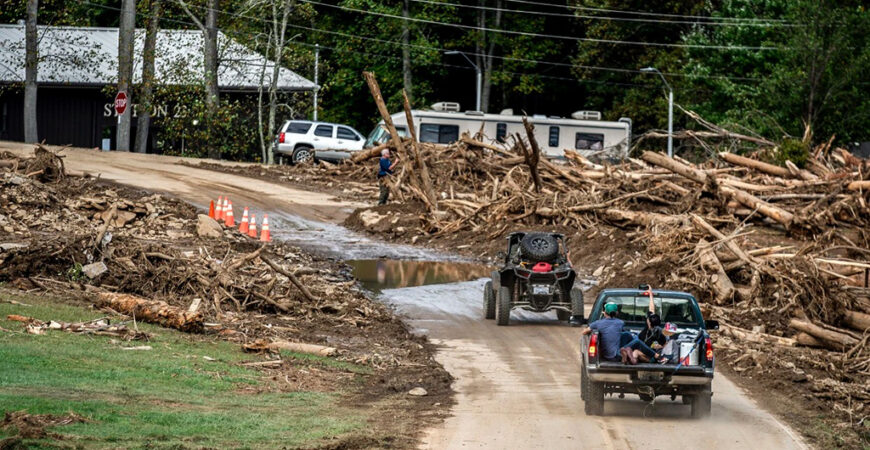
584 132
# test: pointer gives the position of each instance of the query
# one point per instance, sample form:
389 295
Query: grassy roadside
187 391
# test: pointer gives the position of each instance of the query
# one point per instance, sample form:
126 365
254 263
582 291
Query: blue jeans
631 341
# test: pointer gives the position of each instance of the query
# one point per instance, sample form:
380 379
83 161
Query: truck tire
488 301
577 302
302 155
594 402
503 306
539 247
563 315
702 404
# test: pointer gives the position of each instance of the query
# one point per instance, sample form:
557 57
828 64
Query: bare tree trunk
148 76
279 53
263 148
31 65
125 69
212 99
406 51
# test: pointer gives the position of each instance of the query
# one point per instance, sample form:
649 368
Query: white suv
302 140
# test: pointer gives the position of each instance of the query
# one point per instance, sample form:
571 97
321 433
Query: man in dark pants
385 169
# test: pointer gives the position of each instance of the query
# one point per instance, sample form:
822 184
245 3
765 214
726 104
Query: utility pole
316 68
31 68
670 109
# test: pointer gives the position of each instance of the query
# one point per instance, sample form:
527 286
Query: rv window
586 141
554 136
501 132
323 131
298 127
439 134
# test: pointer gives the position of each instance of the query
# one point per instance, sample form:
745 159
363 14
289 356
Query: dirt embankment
777 255
81 238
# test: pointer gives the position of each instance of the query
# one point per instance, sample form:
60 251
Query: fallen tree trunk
809 341
857 320
704 226
152 311
832 339
750 201
370 153
760 166
261 345
720 282
752 336
674 166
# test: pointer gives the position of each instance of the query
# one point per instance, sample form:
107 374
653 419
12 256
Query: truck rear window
671 309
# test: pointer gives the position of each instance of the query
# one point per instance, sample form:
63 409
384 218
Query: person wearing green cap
610 332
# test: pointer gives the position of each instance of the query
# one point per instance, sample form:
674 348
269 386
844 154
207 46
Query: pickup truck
691 379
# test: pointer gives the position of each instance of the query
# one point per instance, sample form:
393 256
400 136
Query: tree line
774 68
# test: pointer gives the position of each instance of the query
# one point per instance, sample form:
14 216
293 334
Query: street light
479 74
670 108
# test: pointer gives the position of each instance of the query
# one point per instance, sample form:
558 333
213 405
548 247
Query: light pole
316 87
670 109
476 68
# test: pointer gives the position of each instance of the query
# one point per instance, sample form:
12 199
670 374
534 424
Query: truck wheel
594 402
302 155
539 247
488 301
702 403
503 306
577 302
563 315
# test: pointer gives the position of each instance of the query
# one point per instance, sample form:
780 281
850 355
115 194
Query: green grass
169 396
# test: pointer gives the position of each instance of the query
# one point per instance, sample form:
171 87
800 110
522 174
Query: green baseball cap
610 307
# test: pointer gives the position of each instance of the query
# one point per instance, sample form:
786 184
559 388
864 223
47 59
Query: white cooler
685 348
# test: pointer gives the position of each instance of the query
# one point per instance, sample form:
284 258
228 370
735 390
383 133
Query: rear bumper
624 378
616 373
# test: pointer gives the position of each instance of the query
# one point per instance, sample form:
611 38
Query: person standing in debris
385 169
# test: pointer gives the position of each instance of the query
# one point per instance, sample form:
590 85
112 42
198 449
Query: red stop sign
120 103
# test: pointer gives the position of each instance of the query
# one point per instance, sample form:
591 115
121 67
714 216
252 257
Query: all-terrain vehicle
536 276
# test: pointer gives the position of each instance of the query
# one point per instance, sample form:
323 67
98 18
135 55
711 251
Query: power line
610 18
649 14
541 35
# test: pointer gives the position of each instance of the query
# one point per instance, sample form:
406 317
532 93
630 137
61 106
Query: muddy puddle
379 274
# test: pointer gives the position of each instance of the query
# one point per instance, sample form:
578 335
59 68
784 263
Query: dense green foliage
797 63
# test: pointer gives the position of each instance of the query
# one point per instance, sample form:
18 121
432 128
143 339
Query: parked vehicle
303 140
691 378
536 276
584 132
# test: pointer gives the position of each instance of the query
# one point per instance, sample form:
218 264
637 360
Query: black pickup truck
691 379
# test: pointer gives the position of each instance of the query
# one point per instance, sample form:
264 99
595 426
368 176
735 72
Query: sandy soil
518 386
162 174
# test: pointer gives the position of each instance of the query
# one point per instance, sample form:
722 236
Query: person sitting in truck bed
652 335
609 332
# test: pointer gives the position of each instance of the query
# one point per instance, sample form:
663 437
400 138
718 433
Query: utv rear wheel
594 402
563 315
488 301
503 306
702 404
577 302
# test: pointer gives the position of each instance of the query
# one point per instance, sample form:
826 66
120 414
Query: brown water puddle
380 274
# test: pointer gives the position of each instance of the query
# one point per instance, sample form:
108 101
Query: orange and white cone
211 209
223 216
230 221
264 233
243 227
218 209
252 226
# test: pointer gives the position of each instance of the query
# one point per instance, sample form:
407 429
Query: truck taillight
281 138
709 343
593 346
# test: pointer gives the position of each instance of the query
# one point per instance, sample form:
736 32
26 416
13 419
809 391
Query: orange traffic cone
243 227
223 216
230 220
252 226
264 233
218 209
211 209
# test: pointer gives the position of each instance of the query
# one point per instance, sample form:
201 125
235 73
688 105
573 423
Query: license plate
649 376
538 289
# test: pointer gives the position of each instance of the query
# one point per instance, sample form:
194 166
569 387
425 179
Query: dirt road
518 386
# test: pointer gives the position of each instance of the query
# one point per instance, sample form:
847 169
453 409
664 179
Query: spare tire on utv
539 247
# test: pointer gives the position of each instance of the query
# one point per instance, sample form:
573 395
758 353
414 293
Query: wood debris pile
97 327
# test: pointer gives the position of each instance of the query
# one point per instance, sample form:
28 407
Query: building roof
89 56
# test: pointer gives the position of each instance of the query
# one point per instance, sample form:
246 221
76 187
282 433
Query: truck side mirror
711 324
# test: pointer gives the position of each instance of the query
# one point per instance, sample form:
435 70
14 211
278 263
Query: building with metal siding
78 63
